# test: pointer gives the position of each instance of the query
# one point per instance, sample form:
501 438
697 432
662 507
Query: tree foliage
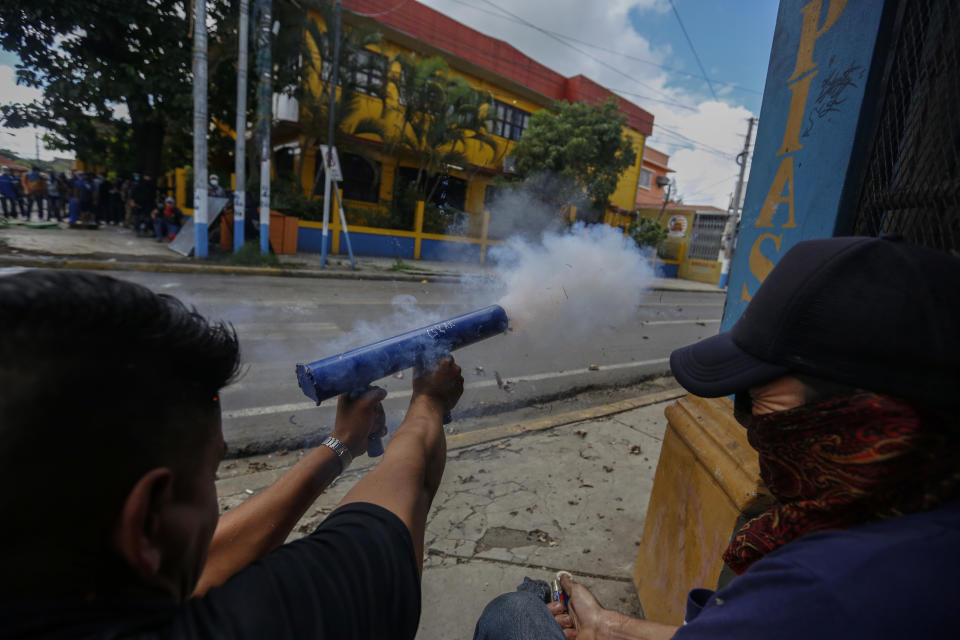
117 79
647 232
582 144
439 115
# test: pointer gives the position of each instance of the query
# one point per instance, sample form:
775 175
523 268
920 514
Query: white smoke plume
572 283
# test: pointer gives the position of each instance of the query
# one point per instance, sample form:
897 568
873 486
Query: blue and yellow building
519 87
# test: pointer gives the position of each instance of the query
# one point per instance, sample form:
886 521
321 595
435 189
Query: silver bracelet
343 454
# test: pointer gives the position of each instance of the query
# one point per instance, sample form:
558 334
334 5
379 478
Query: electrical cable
692 48
578 50
628 56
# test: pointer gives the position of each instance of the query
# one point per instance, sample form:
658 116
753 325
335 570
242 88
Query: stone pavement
567 492
118 248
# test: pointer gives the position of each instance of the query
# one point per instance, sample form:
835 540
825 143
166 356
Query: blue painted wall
452 251
821 85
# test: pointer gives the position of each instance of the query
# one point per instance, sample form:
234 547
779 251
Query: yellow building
519 87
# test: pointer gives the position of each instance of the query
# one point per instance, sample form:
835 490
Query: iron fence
912 180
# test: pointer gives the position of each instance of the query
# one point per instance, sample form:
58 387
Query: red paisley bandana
841 463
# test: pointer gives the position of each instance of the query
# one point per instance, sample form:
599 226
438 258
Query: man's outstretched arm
407 479
259 525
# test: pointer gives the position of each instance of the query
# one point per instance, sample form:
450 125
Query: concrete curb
280 272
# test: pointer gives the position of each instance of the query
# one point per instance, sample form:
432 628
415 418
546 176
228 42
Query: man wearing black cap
845 369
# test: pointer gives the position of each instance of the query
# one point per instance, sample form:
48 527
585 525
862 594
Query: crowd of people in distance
93 199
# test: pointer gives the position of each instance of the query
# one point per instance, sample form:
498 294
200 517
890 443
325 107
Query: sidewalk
565 492
113 248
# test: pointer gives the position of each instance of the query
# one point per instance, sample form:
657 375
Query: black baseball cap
877 314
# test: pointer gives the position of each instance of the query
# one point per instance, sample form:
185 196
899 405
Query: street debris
646 337
586 551
478 370
248 491
607 469
503 384
702 324
636 450
594 367
398 375
257 466
496 374
581 433
280 452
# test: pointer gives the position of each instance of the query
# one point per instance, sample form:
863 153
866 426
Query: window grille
646 179
911 185
706 236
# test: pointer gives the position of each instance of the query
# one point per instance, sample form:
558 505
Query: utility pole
200 242
240 151
742 161
331 130
264 116
736 206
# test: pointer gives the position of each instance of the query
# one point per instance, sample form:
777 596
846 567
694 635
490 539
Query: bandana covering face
841 463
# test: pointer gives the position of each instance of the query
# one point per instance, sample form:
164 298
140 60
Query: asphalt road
283 321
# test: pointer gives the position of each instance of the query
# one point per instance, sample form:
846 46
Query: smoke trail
572 283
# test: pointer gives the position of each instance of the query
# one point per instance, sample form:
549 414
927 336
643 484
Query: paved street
283 321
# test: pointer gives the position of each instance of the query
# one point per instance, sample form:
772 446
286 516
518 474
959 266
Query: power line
692 48
577 49
628 56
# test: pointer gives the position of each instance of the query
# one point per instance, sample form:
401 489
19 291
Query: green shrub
647 232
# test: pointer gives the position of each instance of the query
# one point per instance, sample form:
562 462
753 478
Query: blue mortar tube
354 371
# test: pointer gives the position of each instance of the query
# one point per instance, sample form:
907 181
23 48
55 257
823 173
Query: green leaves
579 142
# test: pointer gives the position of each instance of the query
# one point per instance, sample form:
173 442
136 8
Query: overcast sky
634 47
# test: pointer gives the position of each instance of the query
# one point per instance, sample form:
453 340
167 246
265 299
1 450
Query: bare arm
587 620
407 479
264 521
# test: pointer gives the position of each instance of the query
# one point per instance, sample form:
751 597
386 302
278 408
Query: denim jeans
517 616
11 206
162 228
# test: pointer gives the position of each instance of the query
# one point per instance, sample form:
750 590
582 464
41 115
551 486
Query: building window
361 178
646 179
369 71
506 121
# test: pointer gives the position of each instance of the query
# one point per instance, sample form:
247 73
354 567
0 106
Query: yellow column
418 229
336 227
233 181
181 180
483 236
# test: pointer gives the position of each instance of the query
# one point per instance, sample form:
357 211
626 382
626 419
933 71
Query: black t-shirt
354 577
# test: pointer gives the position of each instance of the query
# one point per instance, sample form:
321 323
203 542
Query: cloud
22 141
716 126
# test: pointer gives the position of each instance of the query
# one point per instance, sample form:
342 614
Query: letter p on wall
811 31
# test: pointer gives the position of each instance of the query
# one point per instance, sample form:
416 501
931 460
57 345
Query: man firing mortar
845 371
111 522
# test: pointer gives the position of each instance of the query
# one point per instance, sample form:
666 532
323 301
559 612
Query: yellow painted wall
478 155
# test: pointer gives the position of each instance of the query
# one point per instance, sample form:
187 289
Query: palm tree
439 115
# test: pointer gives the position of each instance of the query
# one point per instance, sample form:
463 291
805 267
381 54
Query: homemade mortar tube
353 371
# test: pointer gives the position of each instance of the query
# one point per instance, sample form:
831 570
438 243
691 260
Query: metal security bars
911 184
706 236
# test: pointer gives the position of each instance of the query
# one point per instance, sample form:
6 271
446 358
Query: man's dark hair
101 380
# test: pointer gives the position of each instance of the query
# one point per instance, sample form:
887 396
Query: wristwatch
343 454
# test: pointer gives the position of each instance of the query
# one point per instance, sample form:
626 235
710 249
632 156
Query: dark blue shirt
888 579
8 187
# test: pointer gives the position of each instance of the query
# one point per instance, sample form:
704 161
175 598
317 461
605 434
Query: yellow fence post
180 177
335 245
418 229
483 236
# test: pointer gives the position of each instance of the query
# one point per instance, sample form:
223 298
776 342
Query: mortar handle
374 441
